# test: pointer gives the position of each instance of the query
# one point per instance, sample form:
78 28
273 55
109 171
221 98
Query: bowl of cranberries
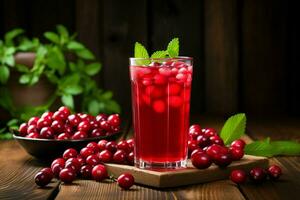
49 135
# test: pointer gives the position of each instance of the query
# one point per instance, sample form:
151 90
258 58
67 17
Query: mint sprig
159 54
173 48
140 51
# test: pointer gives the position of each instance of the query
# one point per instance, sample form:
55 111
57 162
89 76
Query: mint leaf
53 37
4 74
173 48
159 54
140 51
268 149
233 128
92 69
8 37
73 45
85 54
68 100
73 89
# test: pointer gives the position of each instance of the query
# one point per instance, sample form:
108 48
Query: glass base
160 165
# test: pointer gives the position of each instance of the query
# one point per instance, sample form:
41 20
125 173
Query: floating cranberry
94 146
111 146
64 136
257 174
23 129
119 157
159 106
86 171
48 171
70 153
173 89
56 168
33 121
92 160
123 145
105 156
67 175
42 179
274 172
201 160
102 145
99 172
84 126
65 110
238 176
74 120
86 151
43 122
125 181
215 139
222 160
114 120
175 101
130 158
203 141
59 161
165 71
238 144
236 153
79 135
101 117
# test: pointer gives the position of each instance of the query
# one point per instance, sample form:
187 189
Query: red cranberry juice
161 105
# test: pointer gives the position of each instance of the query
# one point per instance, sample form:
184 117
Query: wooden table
17 170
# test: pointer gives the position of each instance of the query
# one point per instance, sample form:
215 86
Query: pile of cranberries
88 163
205 147
62 125
256 174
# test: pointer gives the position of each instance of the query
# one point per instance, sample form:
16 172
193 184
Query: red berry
70 153
74 120
64 136
196 127
236 153
33 121
97 133
123 145
31 129
102 144
198 150
130 158
92 160
105 156
79 135
43 122
238 176
192 145
56 168
23 129
215 150
257 174
59 161
174 89
208 132
94 146
238 144
47 115
81 160
84 126
215 139
130 142
67 175
125 181
57 126
99 172
42 178
201 160
119 157
159 106
111 146
33 135
203 141
101 117
274 172
65 110
160 79
194 133
94 124
104 125
60 116
222 160
48 171
47 133
73 163
86 151
86 171
114 120
68 129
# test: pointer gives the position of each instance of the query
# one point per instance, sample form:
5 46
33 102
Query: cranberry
114 120
274 172
257 174
70 153
57 126
84 126
159 106
65 110
181 77
194 133
99 172
130 142
48 171
123 145
105 156
60 116
81 160
192 145
94 124
47 115
222 160
201 160
215 150
165 71
102 144
33 135
56 168
101 117
64 136
47 133
23 129
94 146
104 125
68 129
198 150
215 139
175 101
238 144
43 122
86 151
92 160
203 141
86 171
97 133
208 132
42 178
236 153
33 121
79 135
67 175
130 158
111 146
125 181
238 176
74 120
31 129
119 157
59 161
73 163
173 89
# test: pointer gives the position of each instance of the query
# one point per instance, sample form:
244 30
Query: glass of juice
161 91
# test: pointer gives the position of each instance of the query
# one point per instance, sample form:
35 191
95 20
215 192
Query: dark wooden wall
245 51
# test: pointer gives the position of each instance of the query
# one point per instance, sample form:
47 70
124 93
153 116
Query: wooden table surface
17 170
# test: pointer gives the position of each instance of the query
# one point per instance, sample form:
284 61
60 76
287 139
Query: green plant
65 62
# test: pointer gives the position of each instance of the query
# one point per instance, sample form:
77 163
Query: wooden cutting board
190 175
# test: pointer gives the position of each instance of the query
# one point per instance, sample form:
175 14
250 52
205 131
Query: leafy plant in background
65 62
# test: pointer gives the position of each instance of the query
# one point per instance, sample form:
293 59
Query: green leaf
4 74
10 60
233 128
269 149
12 122
71 79
8 38
140 51
159 54
92 69
5 99
27 45
25 78
53 37
73 45
85 54
22 68
68 100
56 60
93 107
62 31
73 89
173 48
10 50
107 95
6 136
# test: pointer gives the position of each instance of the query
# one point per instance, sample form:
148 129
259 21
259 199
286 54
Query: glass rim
176 58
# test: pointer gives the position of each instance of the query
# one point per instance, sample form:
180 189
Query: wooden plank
17 171
174 178
221 56
183 19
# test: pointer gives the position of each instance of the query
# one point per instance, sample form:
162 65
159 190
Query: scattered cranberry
123 145
42 178
201 160
81 160
236 153
70 153
215 150
67 175
59 161
94 146
86 171
238 144
208 132
215 139
130 143
198 150
73 163
56 168
192 145
111 146
48 170
119 157
86 151
238 176
105 156
125 181
130 158
274 172
203 141
102 144
257 174
92 160
222 160
99 172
